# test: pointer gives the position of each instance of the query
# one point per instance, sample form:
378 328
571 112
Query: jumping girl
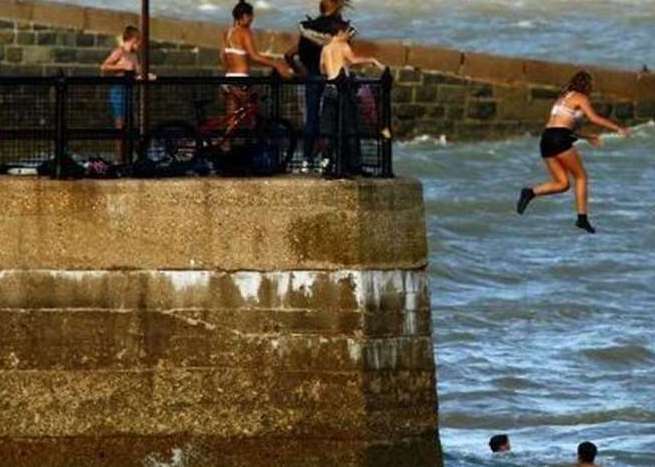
559 154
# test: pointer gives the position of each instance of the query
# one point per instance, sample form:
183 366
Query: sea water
613 33
542 331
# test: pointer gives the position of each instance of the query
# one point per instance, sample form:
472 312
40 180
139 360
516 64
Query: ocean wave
515 383
515 421
624 355
586 31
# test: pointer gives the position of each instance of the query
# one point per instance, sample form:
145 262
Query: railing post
144 117
128 127
60 123
276 96
144 114
341 141
387 146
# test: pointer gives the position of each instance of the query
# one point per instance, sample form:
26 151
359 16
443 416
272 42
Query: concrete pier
207 322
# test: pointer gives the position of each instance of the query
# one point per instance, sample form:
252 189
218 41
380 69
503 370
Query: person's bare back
333 59
337 55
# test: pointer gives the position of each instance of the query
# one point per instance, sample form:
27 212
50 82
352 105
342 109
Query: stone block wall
461 108
440 91
43 50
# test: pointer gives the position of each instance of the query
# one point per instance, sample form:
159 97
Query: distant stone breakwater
438 91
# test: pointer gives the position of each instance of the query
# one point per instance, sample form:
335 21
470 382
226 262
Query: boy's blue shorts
117 102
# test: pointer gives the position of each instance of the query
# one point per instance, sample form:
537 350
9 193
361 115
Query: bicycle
242 141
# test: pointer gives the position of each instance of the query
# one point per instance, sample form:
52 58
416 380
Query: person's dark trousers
351 157
353 148
313 95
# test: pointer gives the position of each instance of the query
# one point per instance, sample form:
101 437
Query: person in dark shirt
314 34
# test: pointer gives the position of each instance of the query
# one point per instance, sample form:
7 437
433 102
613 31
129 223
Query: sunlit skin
122 60
505 448
570 163
338 55
242 37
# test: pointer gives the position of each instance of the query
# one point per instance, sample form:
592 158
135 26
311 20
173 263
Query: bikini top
233 50
562 110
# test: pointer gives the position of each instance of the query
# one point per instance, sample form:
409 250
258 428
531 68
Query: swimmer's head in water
499 443
587 452
581 82
243 13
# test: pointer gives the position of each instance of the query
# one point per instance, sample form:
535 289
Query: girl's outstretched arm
353 59
596 119
251 50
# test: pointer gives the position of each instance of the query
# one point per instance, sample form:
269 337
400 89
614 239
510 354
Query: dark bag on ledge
70 169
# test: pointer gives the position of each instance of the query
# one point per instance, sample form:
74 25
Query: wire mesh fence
196 126
27 121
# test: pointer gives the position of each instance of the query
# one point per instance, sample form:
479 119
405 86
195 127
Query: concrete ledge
212 224
549 74
391 53
493 67
435 58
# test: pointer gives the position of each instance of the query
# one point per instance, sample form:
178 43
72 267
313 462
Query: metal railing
196 125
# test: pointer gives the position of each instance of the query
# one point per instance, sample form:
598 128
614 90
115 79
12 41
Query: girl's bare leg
573 163
559 178
559 183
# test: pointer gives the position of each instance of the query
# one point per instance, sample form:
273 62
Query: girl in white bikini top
237 59
560 109
229 49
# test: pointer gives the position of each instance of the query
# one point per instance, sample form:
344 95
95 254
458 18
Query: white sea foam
526 24
208 7
263 5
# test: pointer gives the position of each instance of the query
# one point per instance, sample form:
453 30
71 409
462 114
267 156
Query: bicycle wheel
280 135
177 141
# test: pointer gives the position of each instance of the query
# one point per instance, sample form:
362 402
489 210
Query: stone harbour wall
461 108
215 322
439 91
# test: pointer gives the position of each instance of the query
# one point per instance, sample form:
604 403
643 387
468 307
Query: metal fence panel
229 123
